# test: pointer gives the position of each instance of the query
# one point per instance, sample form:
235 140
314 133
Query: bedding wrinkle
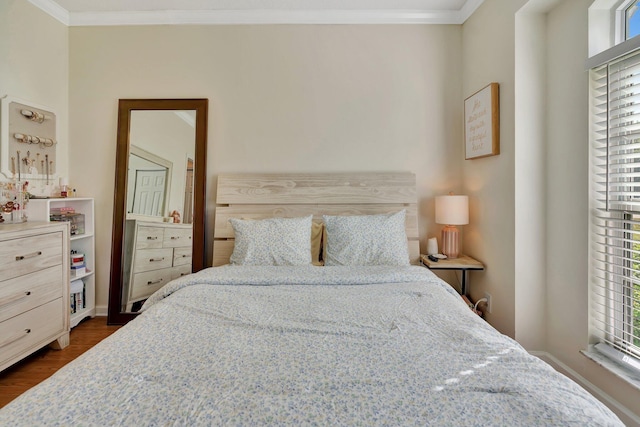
303 346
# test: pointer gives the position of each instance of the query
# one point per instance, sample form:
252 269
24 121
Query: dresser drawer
28 254
177 237
182 256
149 237
181 270
23 293
31 329
152 259
144 284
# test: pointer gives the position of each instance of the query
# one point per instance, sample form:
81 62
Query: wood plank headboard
258 196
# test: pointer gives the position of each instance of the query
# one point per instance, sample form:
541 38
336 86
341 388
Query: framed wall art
482 123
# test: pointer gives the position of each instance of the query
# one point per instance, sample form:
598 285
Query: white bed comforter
313 346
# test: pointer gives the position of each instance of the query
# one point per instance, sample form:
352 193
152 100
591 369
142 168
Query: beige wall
530 178
282 99
34 64
488 56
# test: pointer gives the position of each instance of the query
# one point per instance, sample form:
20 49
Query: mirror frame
115 315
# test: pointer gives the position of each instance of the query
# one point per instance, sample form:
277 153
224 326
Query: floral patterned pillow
272 241
366 240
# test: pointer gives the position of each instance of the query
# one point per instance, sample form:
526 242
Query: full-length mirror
158 220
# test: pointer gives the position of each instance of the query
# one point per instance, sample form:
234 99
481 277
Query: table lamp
451 210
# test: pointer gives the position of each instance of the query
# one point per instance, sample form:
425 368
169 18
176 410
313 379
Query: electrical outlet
488 297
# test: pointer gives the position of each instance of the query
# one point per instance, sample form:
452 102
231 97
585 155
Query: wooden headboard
258 196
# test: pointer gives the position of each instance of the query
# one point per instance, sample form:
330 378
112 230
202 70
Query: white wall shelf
39 210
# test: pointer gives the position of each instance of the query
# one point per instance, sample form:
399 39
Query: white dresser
34 288
155 253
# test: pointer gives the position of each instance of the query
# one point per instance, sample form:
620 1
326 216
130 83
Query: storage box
77 260
76 220
79 270
63 210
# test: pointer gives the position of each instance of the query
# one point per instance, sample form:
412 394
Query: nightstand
463 263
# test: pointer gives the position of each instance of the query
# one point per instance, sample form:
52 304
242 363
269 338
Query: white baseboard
101 310
622 411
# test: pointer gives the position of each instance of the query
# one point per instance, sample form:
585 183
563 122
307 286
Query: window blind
615 204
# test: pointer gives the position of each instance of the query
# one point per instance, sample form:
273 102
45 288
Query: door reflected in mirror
159 199
148 184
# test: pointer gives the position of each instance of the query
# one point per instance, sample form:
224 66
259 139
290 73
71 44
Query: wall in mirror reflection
160 176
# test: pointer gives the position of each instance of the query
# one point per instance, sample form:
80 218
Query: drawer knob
15 337
154 282
14 298
31 255
175 237
152 237
156 259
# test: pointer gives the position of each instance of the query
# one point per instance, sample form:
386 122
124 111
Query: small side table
463 263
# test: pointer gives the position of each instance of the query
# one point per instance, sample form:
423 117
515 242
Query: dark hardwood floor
34 369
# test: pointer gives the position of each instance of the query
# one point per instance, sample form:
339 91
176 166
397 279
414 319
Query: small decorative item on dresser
13 201
64 187
176 216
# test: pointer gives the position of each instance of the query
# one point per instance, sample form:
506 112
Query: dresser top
31 226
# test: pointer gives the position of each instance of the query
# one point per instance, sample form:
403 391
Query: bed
386 343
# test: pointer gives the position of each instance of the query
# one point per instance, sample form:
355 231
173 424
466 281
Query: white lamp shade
452 210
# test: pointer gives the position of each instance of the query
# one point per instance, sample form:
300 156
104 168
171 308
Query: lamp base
450 236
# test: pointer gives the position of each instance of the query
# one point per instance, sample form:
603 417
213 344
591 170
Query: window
615 218
632 20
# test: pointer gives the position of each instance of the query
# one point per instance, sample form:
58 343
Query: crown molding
53 9
249 17
188 118
469 8
253 17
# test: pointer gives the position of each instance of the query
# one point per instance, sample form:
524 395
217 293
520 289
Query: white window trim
606 25
620 21
617 51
